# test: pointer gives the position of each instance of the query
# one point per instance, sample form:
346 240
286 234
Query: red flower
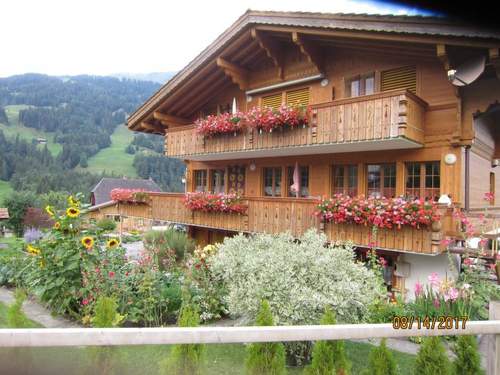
207 202
468 261
85 302
111 274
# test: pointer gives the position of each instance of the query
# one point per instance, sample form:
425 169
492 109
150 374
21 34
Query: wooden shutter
298 97
399 78
273 101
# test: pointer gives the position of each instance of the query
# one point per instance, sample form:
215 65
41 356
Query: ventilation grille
399 78
273 101
298 97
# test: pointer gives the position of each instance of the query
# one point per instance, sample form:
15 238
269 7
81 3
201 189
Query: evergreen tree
468 361
185 359
3 116
265 358
83 161
432 358
381 361
130 149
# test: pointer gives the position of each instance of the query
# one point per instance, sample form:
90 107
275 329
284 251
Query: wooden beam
443 56
153 128
237 74
272 49
494 55
195 106
311 51
169 119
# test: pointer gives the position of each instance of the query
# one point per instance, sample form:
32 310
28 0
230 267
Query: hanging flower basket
379 212
207 202
225 123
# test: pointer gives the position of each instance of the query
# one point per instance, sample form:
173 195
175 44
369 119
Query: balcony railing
388 120
276 215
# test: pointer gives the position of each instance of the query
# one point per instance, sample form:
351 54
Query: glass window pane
277 181
218 181
369 85
355 88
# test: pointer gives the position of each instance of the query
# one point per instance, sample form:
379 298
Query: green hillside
15 128
114 159
5 190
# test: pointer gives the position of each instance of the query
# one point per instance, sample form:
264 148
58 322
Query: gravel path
37 312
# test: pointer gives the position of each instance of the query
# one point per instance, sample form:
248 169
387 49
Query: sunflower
49 210
33 250
73 202
57 225
72 212
112 243
88 242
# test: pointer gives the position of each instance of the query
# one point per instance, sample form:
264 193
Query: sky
100 37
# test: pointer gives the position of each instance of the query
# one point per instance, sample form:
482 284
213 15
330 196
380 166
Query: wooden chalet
384 119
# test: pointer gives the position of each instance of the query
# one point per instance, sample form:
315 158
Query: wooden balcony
276 215
383 121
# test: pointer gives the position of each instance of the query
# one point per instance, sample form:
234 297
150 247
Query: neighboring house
128 217
385 120
4 216
101 193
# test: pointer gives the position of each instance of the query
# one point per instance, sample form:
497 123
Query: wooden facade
382 107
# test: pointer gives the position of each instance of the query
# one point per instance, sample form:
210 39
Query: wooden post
493 364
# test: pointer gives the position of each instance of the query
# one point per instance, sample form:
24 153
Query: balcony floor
396 143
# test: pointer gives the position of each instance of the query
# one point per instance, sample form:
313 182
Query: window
345 180
200 180
236 180
360 85
272 182
217 180
492 187
273 101
399 78
303 182
381 180
298 97
423 180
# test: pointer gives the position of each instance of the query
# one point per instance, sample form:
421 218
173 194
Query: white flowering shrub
298 278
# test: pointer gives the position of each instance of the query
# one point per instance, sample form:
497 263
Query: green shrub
298 278
106 313
185 359
468 361
265 358
328 357
381 361
168 246
106 224
15 315
432 358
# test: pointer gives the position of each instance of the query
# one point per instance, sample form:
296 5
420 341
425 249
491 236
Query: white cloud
62 37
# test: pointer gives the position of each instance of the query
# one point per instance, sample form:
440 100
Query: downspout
467 178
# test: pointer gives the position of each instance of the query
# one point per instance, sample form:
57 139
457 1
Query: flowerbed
379 212
206 202
266 119
129 195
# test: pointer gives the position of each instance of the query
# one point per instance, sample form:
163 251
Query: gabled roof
4 213
423 29
103 188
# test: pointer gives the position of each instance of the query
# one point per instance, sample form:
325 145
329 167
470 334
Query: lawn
3 320
14 246
15 128
114 159
5 190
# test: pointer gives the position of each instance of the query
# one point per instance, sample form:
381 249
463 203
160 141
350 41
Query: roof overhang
253 25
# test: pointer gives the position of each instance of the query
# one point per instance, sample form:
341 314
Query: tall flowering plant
268 119
207 202
378 212
225 123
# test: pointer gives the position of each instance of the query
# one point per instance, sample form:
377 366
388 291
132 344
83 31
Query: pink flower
446 242
419 289
436 303
483 242
85 302
111 274
489 197
468 262
492 266
434 279
382 262
451 294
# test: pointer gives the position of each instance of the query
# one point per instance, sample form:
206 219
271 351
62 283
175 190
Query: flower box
207 202
261 119
379 212
129 195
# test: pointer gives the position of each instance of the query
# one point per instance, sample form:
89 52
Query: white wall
421 266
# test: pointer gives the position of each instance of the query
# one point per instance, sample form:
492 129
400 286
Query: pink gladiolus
434 279
436 303
451 294
419 289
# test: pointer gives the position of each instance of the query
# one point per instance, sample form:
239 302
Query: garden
81 270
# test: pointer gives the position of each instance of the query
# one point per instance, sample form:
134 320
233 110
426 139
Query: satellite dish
468 72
